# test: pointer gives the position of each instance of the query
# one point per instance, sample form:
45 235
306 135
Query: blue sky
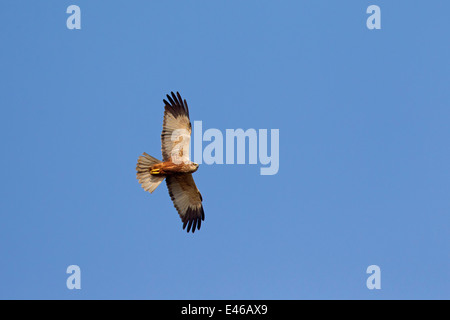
364 149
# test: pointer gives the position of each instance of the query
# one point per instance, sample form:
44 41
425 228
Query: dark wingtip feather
171 100
180 100
175 105
187 108
190 225
193 219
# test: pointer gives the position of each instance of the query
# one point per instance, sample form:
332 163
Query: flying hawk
176 166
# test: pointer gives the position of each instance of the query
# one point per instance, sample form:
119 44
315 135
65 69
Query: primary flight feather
176 166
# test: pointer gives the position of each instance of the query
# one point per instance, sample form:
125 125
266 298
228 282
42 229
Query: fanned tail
148 181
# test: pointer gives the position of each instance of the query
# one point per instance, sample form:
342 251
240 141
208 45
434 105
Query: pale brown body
170 168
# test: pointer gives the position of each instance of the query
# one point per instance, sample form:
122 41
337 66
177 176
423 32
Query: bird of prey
176 166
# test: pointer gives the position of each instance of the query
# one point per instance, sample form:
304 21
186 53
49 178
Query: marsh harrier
176 166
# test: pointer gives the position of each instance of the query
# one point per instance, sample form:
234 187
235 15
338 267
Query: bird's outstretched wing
187 200
176 133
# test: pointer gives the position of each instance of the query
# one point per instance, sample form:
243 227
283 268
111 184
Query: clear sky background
364 149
